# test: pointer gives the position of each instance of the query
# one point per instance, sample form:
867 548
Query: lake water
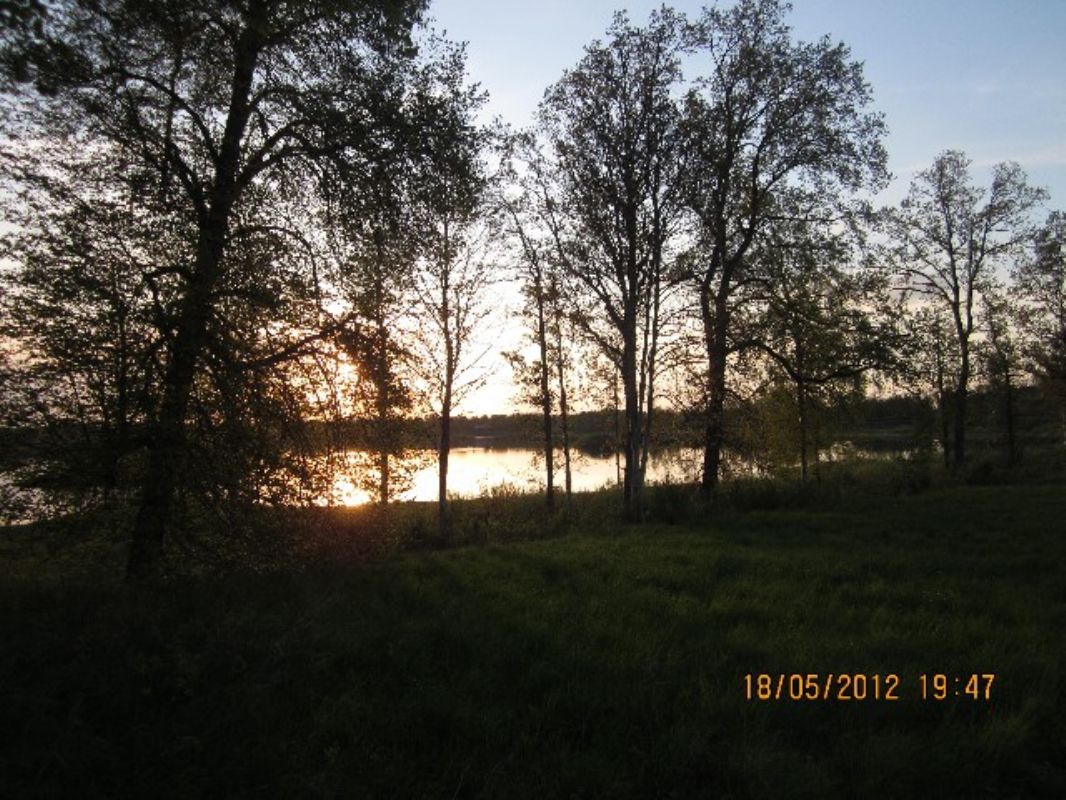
474 471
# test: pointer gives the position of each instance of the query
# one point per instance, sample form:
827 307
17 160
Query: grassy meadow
601 662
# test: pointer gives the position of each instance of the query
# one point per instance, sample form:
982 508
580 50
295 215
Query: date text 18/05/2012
851 687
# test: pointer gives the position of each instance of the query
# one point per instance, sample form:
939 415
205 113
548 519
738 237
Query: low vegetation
607 661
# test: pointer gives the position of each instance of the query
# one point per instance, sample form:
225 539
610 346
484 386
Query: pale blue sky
985 77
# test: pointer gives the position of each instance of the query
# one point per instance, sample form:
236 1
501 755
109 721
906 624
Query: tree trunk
961 396
445 447
382 377
545 395
560 376
166 448
443 451
618 435
647 391
632 489
383 476
564 413
801 399
1008 388
715 340
942 403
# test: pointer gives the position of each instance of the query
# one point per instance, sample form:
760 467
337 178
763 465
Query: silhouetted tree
1041 279
947 237
768 113
612 125
377 225
455 232
533 223
214 105
826 323
533 378
87 304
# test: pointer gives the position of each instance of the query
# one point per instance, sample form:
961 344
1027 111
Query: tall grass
606 662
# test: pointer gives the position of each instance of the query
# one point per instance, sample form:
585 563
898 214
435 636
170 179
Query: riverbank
602 662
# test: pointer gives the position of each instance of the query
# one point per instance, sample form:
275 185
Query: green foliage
674 503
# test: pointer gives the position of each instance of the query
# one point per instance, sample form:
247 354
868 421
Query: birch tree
612 126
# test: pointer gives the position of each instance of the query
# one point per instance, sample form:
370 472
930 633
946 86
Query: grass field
609 664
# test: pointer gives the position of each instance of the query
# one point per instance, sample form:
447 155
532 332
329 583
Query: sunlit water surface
476 471
473 471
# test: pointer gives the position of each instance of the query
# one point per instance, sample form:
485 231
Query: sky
985 77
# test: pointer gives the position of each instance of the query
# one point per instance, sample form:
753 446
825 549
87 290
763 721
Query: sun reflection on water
474 471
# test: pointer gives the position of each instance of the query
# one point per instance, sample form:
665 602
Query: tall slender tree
612 125
533 223
768 114
532 271
374 225
1041 278
536 377
947 238
455 230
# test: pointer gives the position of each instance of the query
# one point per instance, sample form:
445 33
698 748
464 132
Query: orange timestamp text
862 686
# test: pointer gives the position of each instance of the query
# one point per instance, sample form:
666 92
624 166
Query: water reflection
475 471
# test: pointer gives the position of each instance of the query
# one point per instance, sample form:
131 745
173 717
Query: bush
672 503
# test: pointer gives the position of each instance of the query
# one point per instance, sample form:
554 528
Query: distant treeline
876 423
885 423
